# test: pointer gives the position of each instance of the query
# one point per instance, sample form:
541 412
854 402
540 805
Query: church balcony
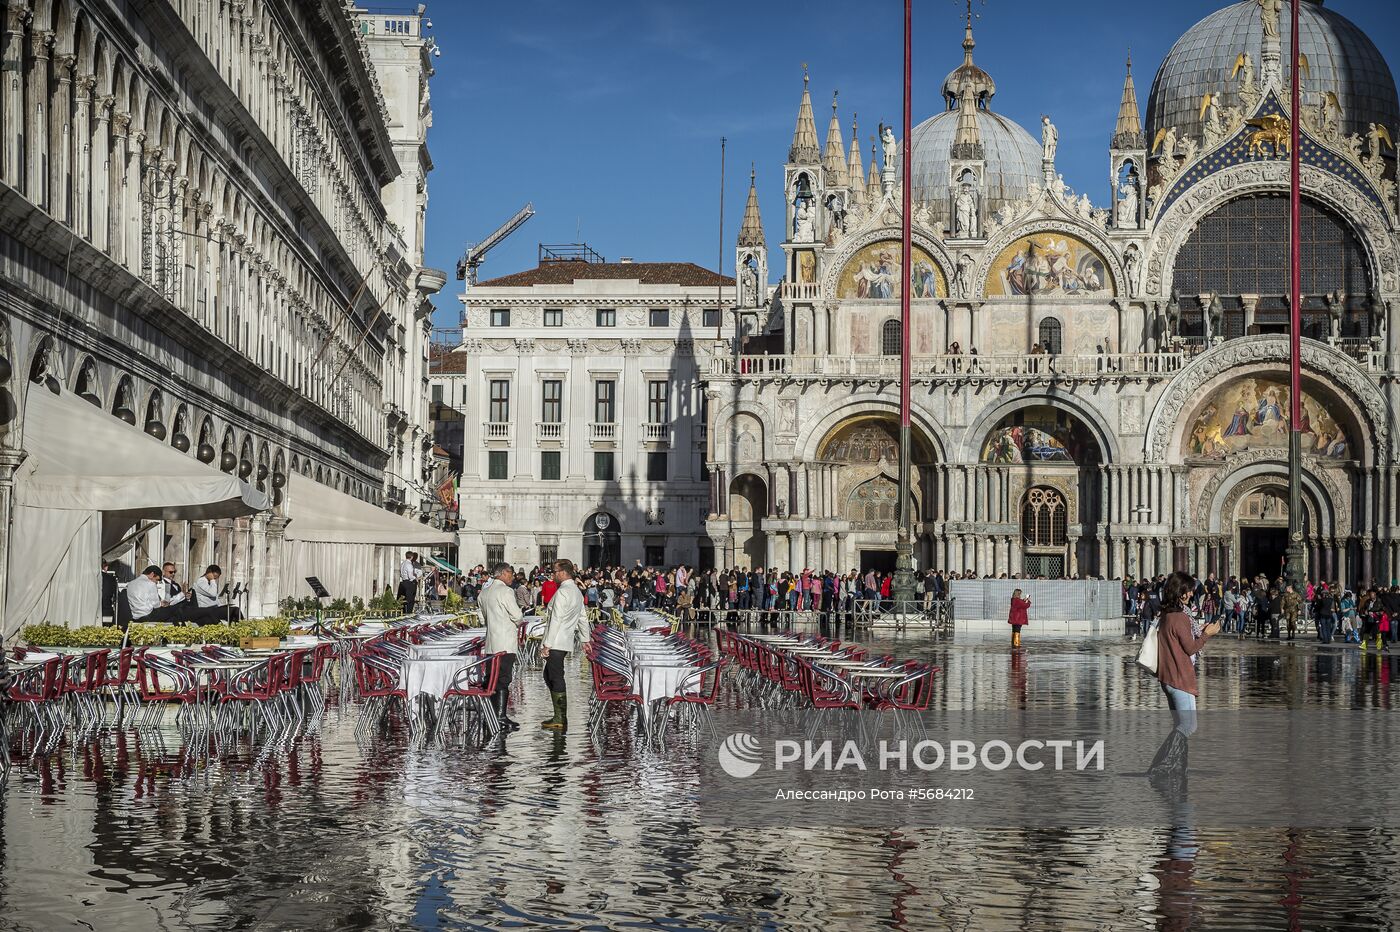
548 432
496 430
793 291
1021 366
602 432
656 433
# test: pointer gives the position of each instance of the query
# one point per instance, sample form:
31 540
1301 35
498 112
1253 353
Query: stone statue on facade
1212 124
804 228
1132 268
1127 217
1049 138
1336 304
1214 316
962 276
1378 309
889 147
965 212
749 294
1269 12
1174 316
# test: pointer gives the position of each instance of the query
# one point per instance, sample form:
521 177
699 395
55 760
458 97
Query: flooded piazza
146 830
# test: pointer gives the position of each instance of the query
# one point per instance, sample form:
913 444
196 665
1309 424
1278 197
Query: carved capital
40 41
121 122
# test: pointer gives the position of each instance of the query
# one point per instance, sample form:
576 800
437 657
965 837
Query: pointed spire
1128 133
855 170
804 149
751 233
872 187
835 158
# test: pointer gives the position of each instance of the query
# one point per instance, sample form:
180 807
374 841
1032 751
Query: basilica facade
1100 383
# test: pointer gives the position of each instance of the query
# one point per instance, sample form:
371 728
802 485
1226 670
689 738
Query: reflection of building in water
1154 414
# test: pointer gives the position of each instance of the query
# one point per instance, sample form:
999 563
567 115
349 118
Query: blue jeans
1183 706
1326 624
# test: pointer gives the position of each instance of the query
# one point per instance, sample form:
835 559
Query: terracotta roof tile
686 274
443 361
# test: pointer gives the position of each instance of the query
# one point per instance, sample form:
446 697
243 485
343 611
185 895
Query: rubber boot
560 721
1015 640
501 701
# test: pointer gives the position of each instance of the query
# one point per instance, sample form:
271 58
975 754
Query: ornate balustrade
1017 365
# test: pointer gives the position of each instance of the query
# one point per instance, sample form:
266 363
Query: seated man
143 594
210 608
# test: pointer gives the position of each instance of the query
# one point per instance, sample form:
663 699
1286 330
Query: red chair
160 681
84 680
474 686
698 693
39 692
608 687
377 683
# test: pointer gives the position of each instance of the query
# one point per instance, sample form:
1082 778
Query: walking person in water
1178 642
568 623
1018 617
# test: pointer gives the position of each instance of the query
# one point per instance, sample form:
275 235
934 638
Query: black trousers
554 670
408 592
507 674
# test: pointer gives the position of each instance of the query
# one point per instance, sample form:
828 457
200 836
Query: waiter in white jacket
568 623
501 613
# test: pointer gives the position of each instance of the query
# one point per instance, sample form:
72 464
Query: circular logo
739 755
602 521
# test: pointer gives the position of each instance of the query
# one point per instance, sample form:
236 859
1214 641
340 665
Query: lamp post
903 586
1295 568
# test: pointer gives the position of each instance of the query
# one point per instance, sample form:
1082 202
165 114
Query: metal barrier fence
1051 599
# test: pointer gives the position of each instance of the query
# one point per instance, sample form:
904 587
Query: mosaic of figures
1034 435
1048 265
1253 414
874 272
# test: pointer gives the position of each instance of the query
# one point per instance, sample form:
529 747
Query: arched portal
748 504
1043 475
602 540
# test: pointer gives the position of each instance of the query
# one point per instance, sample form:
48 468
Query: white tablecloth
447 646
659 669
431 676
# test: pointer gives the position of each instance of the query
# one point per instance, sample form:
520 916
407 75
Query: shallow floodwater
148 832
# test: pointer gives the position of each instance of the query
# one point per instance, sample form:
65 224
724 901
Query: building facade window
437 394
552 401
607 317
660 317
890 342
604 401
549 464
549 553
495 553
655 555
1043 518
500 317
603 466
497 464
1051 336
464 394
709 317
553 317
656 466
500 401
658 402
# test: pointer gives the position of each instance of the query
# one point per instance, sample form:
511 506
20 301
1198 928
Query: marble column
100 194
1367 573
771 542
12 113
794 552
36 119
9 463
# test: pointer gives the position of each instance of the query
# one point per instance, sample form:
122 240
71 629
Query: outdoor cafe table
446 647
659 669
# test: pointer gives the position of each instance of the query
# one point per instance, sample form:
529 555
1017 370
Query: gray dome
1341 59
1013 160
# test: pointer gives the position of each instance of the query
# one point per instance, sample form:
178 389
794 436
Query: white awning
319 513
80 459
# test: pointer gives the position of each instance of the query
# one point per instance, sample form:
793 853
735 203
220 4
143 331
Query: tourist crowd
1273 608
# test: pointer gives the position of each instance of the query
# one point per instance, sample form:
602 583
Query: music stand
319 590
228 604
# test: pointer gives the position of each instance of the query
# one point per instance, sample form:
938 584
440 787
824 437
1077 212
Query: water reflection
159 830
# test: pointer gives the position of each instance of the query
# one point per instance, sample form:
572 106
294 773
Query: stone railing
602 433
548 431
796 292
496 430
1020 365
656 433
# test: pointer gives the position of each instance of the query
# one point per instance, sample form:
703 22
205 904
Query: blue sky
607 115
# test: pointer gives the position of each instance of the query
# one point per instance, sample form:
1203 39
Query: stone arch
124 400
264 466
848 247
45 362
228 451
87 381
180 428
1368 222
1090 418
245 457
1216 509
1323 365
868 403
997 245
154 422
747 505
204 450
745 439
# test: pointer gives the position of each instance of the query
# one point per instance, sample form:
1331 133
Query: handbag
1147 654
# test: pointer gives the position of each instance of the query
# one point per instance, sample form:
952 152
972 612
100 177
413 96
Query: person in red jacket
1018 618
547 591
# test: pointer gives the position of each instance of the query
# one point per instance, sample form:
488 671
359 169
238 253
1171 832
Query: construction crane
471 260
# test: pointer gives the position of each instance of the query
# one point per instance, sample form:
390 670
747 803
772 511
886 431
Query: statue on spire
1269 13
1049 138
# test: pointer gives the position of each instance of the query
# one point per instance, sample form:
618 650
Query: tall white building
582 411
209 236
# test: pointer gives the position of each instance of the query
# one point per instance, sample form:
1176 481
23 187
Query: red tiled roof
648 273
443 361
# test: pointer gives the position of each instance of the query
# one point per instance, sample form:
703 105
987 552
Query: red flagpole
1296 569
904 543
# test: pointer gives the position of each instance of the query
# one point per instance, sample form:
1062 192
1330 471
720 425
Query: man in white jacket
501 613
568 623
